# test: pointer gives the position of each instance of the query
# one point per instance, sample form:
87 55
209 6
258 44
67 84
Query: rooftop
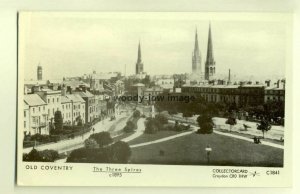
139 85
64 99
74 83
34 100
35 82
86 94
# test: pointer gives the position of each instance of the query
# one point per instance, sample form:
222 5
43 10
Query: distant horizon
74 44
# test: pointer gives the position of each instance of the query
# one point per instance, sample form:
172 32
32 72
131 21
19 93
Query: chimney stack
278 83
63 90
69 89
35 89
283 83
268 83
229 78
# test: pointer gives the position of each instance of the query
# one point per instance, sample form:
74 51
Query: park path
140 130
162 139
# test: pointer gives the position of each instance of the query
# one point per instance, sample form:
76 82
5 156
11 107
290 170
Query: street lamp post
208 151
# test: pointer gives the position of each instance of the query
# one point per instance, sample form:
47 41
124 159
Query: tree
90 143
129 127
161 118
103 138
58 121
151 126
264 126
120 152
205 123
79 120
136 114
41 156
231 121
93 155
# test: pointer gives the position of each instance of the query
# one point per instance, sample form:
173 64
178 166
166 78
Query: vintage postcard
154 99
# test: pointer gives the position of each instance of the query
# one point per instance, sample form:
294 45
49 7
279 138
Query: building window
33 110
53 100
63 107
43 107
39 109
24 113
48 100
57 99
24 124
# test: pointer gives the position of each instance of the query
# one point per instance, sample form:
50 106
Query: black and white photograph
190 90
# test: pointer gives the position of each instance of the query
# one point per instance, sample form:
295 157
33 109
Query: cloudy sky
71 44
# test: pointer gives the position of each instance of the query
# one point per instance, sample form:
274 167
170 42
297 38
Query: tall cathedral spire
139 67
210 55
139 53
196 49
210 63
196 58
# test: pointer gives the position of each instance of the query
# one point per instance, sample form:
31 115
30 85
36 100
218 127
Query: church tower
210 64
139 67
196 57
39 72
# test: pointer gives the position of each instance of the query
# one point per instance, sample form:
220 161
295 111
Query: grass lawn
151 137
226 151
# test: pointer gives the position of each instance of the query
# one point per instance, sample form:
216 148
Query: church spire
196 49
139 67
196 58
139 53
210 68
209 56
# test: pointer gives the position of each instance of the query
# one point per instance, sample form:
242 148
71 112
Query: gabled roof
64 99
75 98
25 106
34 100
85 94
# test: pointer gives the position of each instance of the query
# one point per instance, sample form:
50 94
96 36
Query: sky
72 44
